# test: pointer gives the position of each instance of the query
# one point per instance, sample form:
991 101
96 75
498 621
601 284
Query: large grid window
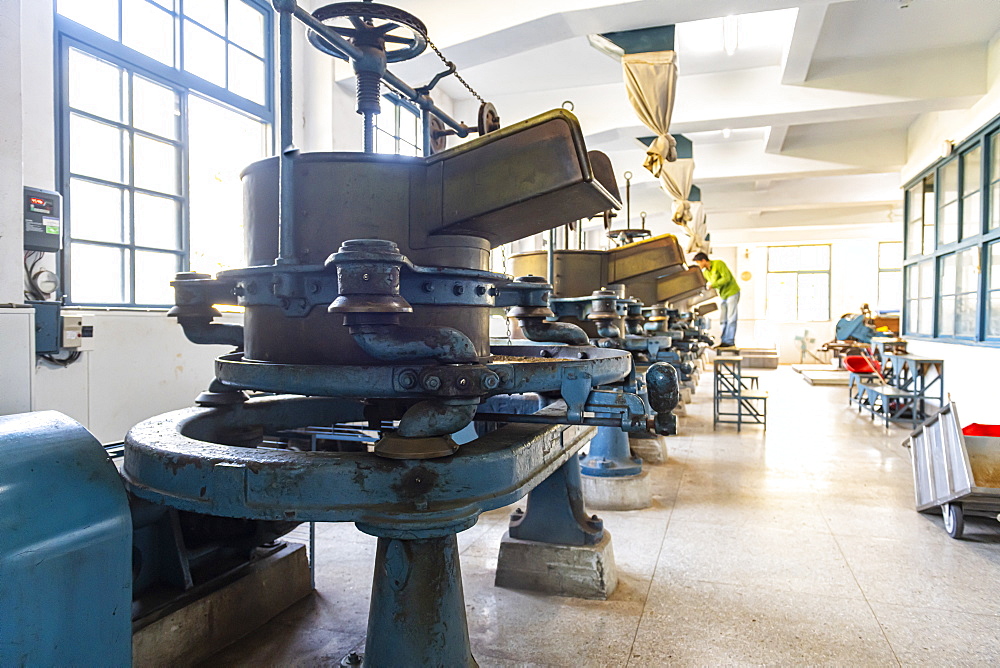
993 291
953 289
920 298
798 283
920 217
958 303
890 276
163 103
398 129
994 185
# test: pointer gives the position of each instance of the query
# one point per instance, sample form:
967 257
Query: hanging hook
642 214
568 105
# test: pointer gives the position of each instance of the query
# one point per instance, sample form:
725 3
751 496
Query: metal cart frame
943 474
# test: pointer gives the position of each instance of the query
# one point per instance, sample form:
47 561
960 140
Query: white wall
11 235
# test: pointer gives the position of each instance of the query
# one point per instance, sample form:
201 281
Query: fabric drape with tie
651 84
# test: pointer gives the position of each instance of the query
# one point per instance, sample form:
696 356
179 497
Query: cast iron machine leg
554 512
417 615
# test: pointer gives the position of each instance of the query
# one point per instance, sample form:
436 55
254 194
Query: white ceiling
816 100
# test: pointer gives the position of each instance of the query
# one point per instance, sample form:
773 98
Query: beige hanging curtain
675 179
651 83
697 230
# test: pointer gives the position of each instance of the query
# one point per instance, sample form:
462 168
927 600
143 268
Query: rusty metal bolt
239 291
408 379
432 383
314 287
480 290
365 277
427 286
459 289
462 382
491 381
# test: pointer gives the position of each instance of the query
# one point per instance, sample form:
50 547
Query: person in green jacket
719 277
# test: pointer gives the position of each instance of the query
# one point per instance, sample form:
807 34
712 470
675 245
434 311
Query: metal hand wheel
370 23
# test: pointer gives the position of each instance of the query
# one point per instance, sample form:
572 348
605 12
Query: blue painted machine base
609 455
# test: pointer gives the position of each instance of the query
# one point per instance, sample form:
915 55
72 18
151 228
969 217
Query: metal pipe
395 343
205 332
352 52
425 125
434 418
552 259
286 179
547 419
607 329
545 331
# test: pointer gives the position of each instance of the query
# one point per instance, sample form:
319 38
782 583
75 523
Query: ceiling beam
774 138
805 36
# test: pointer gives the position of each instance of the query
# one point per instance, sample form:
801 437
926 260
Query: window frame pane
135 65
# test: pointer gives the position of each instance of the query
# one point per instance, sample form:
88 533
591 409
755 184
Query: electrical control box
42 220
77 332
47 327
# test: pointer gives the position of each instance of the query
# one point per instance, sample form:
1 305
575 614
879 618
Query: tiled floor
795 546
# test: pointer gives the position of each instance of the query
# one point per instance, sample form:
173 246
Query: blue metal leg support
417 615
555 514
609 455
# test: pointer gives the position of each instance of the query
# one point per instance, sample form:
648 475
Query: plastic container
859 364
976 429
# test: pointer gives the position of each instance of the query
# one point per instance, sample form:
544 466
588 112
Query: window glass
814 296
153 273
890 276
798 283
149 148
971 166
209 13
890 255
949 182
246 27
914 223
993 293
204 54
971 200
98 15
398 128
223 142
100 211
930 213
98 274
246 75
149 30
994 177
157 165
157 222
97 149
155 108
97 87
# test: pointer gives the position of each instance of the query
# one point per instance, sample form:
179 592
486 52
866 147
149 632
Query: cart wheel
954 519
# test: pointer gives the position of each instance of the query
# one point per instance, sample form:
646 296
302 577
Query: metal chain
503 264
451 65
